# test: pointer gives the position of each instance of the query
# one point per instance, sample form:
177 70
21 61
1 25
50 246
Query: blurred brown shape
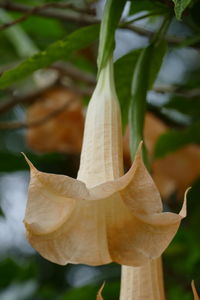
174 172
62 132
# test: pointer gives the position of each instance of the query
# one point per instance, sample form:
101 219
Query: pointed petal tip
196 296
29 162
28 227
183 211
139 154
139 149
99 296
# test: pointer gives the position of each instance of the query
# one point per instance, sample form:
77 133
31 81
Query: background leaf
146 5
175 139
124 69
180 6
184 105
60 49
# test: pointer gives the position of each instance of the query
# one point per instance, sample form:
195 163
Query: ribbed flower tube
143 283
101 155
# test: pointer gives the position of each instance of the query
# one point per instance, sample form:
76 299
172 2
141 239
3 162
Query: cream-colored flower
103 215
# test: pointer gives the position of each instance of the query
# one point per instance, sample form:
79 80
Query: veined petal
120 220
51 200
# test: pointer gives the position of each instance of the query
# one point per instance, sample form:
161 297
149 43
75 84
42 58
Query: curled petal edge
155 222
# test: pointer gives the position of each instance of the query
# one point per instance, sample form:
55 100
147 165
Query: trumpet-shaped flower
103 215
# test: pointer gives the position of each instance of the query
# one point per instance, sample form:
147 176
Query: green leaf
124 69
157 57
58 50
190 41
111 17
145 73
175 139
87 292
184 105
21 41
146 5
180 6
139 87
12 271
10 162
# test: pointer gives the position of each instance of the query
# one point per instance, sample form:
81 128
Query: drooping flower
103 215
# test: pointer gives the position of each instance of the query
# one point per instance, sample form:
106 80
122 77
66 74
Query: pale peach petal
151 230
196 296
115 221
48 205
140 186
99 296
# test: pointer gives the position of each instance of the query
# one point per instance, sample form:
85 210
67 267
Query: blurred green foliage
62 48
175 139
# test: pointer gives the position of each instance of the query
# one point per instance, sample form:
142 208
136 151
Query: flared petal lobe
119 220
